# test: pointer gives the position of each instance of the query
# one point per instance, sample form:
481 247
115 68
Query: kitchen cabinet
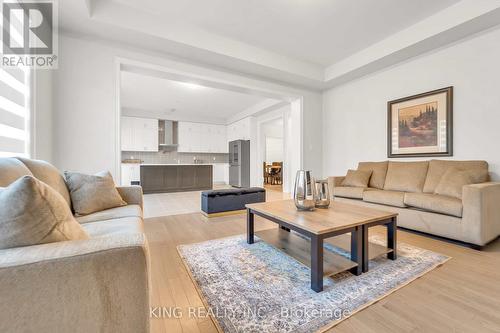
176 178
131 172
240 130
139 134
201 138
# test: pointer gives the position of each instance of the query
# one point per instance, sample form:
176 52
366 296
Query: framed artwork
421 125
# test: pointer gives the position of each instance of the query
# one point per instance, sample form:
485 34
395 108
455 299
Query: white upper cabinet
201 138
139 134
239 130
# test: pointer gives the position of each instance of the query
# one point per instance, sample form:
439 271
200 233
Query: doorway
273 157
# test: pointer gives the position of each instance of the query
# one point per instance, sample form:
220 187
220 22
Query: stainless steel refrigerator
239 163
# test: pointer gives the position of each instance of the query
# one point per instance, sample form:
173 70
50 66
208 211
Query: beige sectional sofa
408 188
99 284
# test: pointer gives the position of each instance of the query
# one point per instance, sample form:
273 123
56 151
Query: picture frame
421 125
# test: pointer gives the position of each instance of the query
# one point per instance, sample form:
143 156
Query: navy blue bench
230 201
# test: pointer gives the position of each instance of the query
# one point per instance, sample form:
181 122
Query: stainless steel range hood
167 135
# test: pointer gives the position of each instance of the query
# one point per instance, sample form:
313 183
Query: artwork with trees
418 125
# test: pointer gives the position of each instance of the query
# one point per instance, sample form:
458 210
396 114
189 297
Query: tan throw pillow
452 182
33 213
92 193
379 171
357 178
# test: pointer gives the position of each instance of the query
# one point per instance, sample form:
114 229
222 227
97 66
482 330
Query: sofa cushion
406 176
124 225
379 171
357 178
32 213
349 192
435 203
93 193
113 213
390 198
11 170
437 168
454 180
49 175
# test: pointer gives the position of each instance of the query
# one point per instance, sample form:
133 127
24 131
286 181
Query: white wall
355 114
274 149
42 139
84 113
84 104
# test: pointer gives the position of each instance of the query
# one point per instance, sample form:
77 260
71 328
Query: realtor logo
29 37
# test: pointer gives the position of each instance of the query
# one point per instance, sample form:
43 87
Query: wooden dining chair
276 173
265 173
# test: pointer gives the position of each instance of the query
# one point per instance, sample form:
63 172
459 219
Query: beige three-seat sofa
100 284
408 188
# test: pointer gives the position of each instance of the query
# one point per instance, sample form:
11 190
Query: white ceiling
315 44
316 31
148 96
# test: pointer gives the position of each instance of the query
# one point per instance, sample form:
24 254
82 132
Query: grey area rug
257 288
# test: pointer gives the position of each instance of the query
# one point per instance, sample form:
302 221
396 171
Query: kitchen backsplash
168 157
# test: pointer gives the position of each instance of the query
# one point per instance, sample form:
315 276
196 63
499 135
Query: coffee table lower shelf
344 242
300 249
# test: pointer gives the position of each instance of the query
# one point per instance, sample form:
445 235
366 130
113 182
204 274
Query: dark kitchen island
164 178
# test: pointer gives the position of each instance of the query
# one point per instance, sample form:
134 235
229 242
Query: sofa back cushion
379 171
31 213
406 176
454 180
11 170
437 169
49 175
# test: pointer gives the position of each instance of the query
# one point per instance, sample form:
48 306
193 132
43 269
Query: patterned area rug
257 288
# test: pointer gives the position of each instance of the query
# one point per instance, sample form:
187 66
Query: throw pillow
31 213
357 178
92 193
379 171
452 182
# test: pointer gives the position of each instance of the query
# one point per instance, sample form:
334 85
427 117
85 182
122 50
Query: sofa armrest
131 194
333 182
481 212
94 285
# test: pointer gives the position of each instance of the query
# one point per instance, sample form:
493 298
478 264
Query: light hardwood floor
461 296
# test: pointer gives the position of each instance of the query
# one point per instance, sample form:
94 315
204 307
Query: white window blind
14 108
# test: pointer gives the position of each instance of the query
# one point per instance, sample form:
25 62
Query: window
14 112
15 106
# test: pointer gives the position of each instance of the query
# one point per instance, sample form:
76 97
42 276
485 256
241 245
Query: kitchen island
164 178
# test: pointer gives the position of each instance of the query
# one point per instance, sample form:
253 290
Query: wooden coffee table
340 218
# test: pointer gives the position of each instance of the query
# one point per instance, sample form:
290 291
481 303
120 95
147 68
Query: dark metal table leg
316 263
365 242
284 228
357 250
250 226
392 230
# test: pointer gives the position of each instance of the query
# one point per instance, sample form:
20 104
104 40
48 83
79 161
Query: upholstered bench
230 201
